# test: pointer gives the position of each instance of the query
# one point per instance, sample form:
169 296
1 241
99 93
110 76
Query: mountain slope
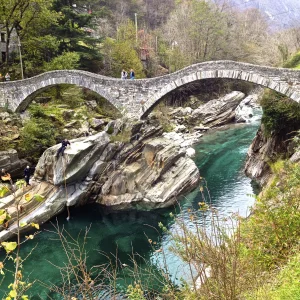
281 13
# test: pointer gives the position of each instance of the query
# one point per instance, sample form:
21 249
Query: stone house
13 43
2 46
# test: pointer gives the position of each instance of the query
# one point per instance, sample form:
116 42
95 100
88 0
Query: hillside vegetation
103 37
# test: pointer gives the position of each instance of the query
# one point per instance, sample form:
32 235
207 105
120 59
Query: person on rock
63 147
5 175
27 175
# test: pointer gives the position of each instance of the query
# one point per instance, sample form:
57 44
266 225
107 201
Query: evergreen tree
75 33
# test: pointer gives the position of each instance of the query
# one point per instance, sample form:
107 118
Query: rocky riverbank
148 172
189 124
125 166
263 151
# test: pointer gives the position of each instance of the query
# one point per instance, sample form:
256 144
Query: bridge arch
284 81
26 102
25 91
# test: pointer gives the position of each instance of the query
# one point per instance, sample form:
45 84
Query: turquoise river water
220 156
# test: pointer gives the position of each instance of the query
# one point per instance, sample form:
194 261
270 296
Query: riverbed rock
244 111
155 180
183 140
181 112
4 115
190 152
97 123
201 127
295 157
10 161
219 111
74 166
263 150
180 128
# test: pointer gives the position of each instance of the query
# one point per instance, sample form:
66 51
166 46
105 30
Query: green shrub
135 292
294 62
105 108
37 135
281 115
272 232
284 285
73 97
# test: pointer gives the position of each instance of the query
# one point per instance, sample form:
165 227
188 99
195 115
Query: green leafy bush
66 61
294 62
285 285
281 115
37 135
272 232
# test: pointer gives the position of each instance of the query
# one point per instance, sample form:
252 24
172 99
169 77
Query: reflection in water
220 158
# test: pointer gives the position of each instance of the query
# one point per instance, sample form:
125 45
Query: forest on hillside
152 36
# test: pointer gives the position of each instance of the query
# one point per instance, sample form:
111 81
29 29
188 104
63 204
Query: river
220 156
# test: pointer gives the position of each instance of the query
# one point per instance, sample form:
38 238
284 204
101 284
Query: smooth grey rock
201 128
76 163
159 176
92 104
97 123
72 124
263 150
218 111
181 112
241 120
190 152
295 157
180 128
10 161
4 115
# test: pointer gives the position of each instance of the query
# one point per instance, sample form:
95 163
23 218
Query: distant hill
281 13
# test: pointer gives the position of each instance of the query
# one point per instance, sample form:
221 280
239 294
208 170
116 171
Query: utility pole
21 62
136 28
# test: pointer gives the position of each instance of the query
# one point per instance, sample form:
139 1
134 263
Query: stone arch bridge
138 97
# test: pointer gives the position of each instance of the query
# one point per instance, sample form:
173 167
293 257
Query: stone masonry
128 95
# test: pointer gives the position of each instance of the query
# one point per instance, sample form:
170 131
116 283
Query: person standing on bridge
7 77
131 74
124 74
63 147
